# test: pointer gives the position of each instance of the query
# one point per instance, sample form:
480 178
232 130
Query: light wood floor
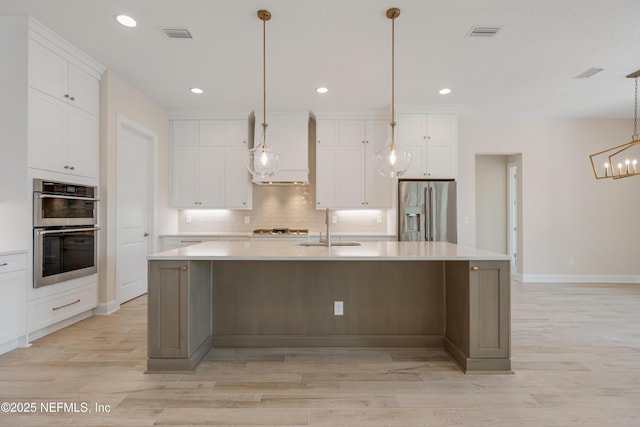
575 352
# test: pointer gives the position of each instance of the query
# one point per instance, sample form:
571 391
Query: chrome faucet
327 221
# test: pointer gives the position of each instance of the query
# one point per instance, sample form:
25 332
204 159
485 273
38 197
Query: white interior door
134 185
513 213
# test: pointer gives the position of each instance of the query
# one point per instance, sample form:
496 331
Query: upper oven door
51 210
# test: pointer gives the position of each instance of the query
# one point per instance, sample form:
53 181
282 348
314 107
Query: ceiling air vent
177 33
589 73
484 31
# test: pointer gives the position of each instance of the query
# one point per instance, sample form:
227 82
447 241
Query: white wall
573 226
118 97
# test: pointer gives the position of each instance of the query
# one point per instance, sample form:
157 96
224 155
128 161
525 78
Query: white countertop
259 250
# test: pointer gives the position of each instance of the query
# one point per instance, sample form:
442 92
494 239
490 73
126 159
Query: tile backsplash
291 206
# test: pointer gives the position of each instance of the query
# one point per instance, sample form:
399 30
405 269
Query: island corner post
200 303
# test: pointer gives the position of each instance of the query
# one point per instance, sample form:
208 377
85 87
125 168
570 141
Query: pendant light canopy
392 161
263 161
620 161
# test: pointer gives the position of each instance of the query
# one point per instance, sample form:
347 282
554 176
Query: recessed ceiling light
444 91
322 90
126 20
196 90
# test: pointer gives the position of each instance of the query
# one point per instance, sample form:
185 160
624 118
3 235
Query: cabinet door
168 311
47 71
83 89
236 133
489 309
418 166
352 133
350 176
82 143
47 132
379 189
442 127
184 172
237 179
184 133
13 287
211 177
412 127
212 133
327 132
440 160
325 175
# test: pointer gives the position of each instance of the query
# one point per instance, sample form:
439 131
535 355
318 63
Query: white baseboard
106 308
577 278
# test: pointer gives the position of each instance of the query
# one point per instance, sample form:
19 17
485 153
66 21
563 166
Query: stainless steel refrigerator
427 211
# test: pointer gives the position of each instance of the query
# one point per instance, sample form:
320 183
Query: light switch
338 308
247 219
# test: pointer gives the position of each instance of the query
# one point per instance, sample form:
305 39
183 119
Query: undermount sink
326 245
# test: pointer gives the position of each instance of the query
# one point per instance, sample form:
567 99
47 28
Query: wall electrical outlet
188 219
247 219
334 219
338 308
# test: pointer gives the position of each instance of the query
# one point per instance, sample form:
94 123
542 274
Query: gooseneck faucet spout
327 220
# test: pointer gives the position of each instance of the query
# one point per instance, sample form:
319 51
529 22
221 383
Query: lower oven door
64 254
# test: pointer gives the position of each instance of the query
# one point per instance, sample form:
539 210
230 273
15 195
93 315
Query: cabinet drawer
48 311
10 263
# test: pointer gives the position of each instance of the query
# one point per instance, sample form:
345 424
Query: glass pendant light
263 161
392 161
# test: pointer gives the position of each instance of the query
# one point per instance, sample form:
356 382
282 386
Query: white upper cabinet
62 79
345 164
208 164
63 114
432 139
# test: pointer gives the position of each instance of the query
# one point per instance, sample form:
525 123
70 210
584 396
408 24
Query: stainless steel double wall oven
65 231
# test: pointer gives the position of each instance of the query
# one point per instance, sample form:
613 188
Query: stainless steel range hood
288 134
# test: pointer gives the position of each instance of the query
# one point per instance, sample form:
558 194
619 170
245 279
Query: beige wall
118 97
572 225
491 202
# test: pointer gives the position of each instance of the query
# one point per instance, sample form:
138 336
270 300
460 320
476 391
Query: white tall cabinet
49 120
345 164
208 164
432 139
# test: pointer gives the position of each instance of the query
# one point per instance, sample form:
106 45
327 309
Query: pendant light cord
393 81
264 83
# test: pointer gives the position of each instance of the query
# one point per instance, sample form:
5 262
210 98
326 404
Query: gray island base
277 294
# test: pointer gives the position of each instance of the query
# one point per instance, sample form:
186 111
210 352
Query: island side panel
168 307
292 302
179 315
200 305
478 316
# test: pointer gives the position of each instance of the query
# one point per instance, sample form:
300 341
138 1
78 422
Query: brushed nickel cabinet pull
3 264
183 268
66 305
474 268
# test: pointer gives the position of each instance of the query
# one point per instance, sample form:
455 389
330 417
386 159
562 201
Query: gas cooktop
281 232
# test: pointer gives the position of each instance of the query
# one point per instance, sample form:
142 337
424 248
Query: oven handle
67 230
60 196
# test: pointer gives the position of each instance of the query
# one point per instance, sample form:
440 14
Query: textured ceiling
528 69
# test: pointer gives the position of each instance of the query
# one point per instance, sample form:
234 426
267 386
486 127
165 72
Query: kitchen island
278 293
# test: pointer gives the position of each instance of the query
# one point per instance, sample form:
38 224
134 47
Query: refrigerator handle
430 225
